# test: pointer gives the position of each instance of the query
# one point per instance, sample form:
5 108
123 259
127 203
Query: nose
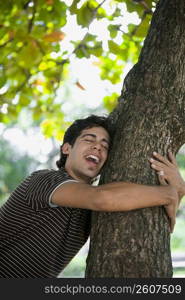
97 146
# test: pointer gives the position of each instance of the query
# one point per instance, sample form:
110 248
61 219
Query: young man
46 220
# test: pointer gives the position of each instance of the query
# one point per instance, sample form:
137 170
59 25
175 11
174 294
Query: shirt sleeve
42 184
50 197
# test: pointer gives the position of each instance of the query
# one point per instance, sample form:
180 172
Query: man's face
88 154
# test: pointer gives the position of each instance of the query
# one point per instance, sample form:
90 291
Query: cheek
80 151
105 155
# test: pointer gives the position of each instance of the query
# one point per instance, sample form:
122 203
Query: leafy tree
13 168
35 61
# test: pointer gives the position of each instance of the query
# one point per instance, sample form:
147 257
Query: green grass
179 272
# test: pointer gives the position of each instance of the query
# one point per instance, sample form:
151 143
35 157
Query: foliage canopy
34 58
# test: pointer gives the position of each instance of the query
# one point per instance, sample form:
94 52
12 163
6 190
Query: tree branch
31 22
6 43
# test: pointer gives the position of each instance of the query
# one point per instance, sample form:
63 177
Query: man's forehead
96 132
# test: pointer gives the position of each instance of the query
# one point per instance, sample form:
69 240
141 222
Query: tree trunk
149 117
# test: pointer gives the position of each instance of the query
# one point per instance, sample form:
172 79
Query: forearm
123 196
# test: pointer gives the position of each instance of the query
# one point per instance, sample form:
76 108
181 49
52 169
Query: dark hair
75 130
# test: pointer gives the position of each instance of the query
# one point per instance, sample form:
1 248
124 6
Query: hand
168 172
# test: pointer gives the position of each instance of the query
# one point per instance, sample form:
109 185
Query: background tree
36 53
150 116
13 167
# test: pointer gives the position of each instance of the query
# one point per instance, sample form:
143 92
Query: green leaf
2 80
96 50
113 29
51 127
110 102
134 7
111 69
73 8
101 13
82 52
143 27
89 38
30 55
24 100
84 15
114 48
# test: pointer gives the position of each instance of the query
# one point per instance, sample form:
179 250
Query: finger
157 163
158 168
161 178
162 181
162 158
172 157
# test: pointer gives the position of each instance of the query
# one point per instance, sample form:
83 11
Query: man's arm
116 196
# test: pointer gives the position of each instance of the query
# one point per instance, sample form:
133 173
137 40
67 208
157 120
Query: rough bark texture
150 116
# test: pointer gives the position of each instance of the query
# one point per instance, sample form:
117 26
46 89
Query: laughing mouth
93 158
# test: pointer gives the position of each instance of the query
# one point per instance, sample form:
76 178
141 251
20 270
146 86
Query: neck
78 177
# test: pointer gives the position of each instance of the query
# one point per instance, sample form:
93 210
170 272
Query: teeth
94 158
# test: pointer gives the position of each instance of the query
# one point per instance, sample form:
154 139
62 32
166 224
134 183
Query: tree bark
149 117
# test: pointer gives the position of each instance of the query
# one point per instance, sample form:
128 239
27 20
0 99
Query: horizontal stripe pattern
37 240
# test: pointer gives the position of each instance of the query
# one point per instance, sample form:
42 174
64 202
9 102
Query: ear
66 148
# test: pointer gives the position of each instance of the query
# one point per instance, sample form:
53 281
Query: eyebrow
94 136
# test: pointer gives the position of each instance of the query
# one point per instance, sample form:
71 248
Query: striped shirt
37 239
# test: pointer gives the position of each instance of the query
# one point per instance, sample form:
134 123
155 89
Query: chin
90 176
90 173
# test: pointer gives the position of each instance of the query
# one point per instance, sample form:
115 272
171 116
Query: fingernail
154 153
151 159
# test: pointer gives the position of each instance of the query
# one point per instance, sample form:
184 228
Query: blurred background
59 61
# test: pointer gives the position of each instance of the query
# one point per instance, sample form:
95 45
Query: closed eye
106 147
89 140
